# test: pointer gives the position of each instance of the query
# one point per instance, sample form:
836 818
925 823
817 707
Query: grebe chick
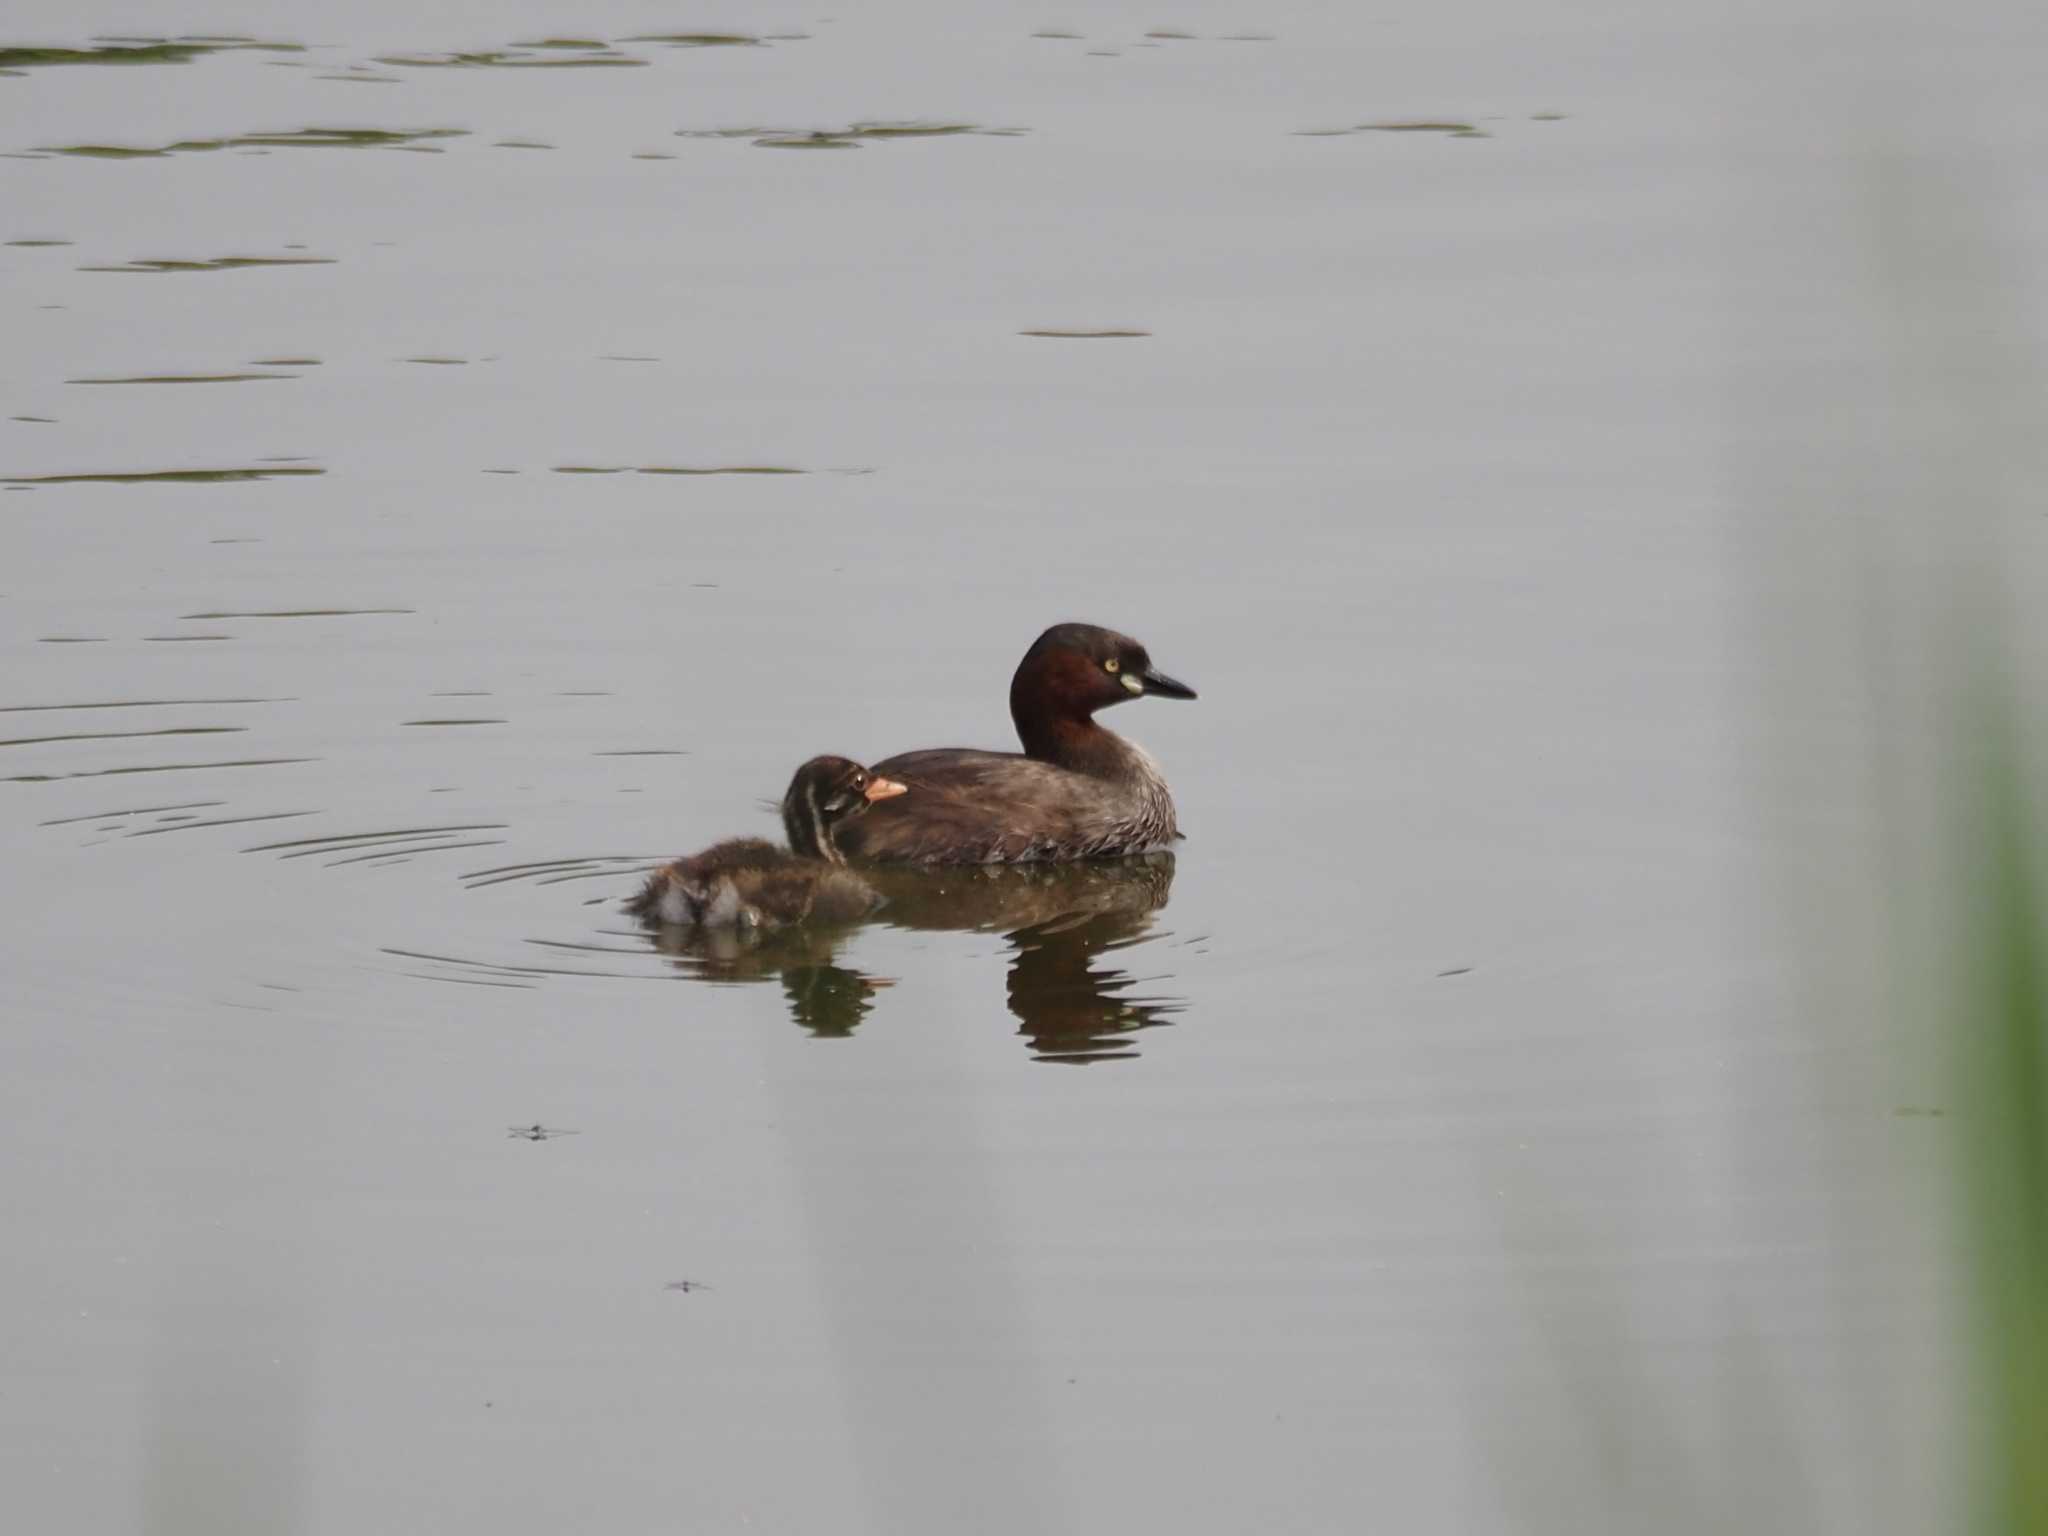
748 882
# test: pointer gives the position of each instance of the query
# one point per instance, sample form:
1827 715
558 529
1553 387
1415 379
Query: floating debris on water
539 1132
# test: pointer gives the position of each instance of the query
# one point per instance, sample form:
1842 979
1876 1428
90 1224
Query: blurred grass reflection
2002 1048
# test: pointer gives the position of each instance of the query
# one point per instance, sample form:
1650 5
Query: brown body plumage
749 882
1076 791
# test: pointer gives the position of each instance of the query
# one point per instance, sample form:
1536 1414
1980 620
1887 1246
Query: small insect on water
537 1132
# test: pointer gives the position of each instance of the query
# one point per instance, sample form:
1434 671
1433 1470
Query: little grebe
748 882
1077 791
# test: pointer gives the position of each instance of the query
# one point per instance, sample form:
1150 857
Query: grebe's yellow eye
1110 665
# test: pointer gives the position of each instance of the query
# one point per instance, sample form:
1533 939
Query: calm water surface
451 465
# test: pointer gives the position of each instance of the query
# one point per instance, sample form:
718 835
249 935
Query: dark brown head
826 793
1072 670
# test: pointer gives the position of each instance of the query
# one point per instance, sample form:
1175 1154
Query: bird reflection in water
825 998
1059 920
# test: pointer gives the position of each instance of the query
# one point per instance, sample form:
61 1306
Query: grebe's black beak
1154 681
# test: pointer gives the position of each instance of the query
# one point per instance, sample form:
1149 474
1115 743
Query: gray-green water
1455 1151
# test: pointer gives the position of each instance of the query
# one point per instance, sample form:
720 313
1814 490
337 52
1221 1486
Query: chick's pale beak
1156 682
885 789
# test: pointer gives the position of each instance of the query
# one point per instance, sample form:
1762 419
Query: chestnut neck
1076 742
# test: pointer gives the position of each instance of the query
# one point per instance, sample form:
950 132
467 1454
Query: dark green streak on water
700 39
217 264
512 58
670 469
107 773
731 469
1449 129
32 709
295 138
357 839
187 378
298 613
220 821
165 476
808 141
185 730
138 810
849 137
135 50
37 244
